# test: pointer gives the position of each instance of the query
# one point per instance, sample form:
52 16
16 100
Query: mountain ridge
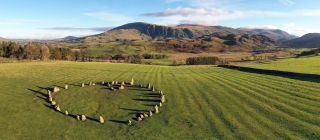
311 40
148 31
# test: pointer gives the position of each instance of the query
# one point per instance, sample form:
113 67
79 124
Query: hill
275 34
311 40
147 31
2 39
217 42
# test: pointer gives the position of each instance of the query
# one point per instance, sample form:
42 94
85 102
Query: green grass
158 61
202 103
301 65
95 101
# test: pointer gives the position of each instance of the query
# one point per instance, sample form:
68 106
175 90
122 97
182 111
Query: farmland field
309 65
202 103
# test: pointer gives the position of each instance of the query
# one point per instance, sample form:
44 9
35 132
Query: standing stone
149 86
56 89
83 117
139 119
117 82
160 104
163 99
66 86
93 84
153 89
161 92
90 83
101 120
150 113
78 117
82 85
145 115
129 122
49 93
122 84
53 102
58 108
141 116
102 83
50 99
132 82
66 113
156 109
112 83
121 87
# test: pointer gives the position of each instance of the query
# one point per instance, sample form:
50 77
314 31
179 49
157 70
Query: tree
44 52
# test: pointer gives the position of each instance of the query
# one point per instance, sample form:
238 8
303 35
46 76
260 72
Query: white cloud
210 16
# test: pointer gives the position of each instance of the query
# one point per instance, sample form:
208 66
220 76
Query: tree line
44 51
205 61
35 51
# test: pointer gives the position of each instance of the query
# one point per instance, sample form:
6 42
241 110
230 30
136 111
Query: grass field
301 65
202 103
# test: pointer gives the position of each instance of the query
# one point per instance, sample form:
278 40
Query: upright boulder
132 82
66 113
57 108
83 118
66 86
129 122
121 87
49 93
156 109
56 89
163 99
101 119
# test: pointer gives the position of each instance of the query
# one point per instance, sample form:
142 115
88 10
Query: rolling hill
2 39
147 31
275 34
311 40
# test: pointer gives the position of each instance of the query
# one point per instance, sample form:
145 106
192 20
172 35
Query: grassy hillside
202 103
310 40
301 65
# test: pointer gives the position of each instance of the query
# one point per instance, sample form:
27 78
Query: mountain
311 40
275 34
68 38
147 31
3 39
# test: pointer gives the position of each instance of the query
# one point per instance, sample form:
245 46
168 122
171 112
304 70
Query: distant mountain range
311 40
147 31
2 39
275 34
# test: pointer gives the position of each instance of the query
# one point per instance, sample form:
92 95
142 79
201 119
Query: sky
49 19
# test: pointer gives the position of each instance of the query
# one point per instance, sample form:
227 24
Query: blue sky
47 19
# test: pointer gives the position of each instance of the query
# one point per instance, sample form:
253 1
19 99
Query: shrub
205 61
309 53
154 56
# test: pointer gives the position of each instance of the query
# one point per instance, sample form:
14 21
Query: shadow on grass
147 100
292 75
135 110
40 95
119 121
